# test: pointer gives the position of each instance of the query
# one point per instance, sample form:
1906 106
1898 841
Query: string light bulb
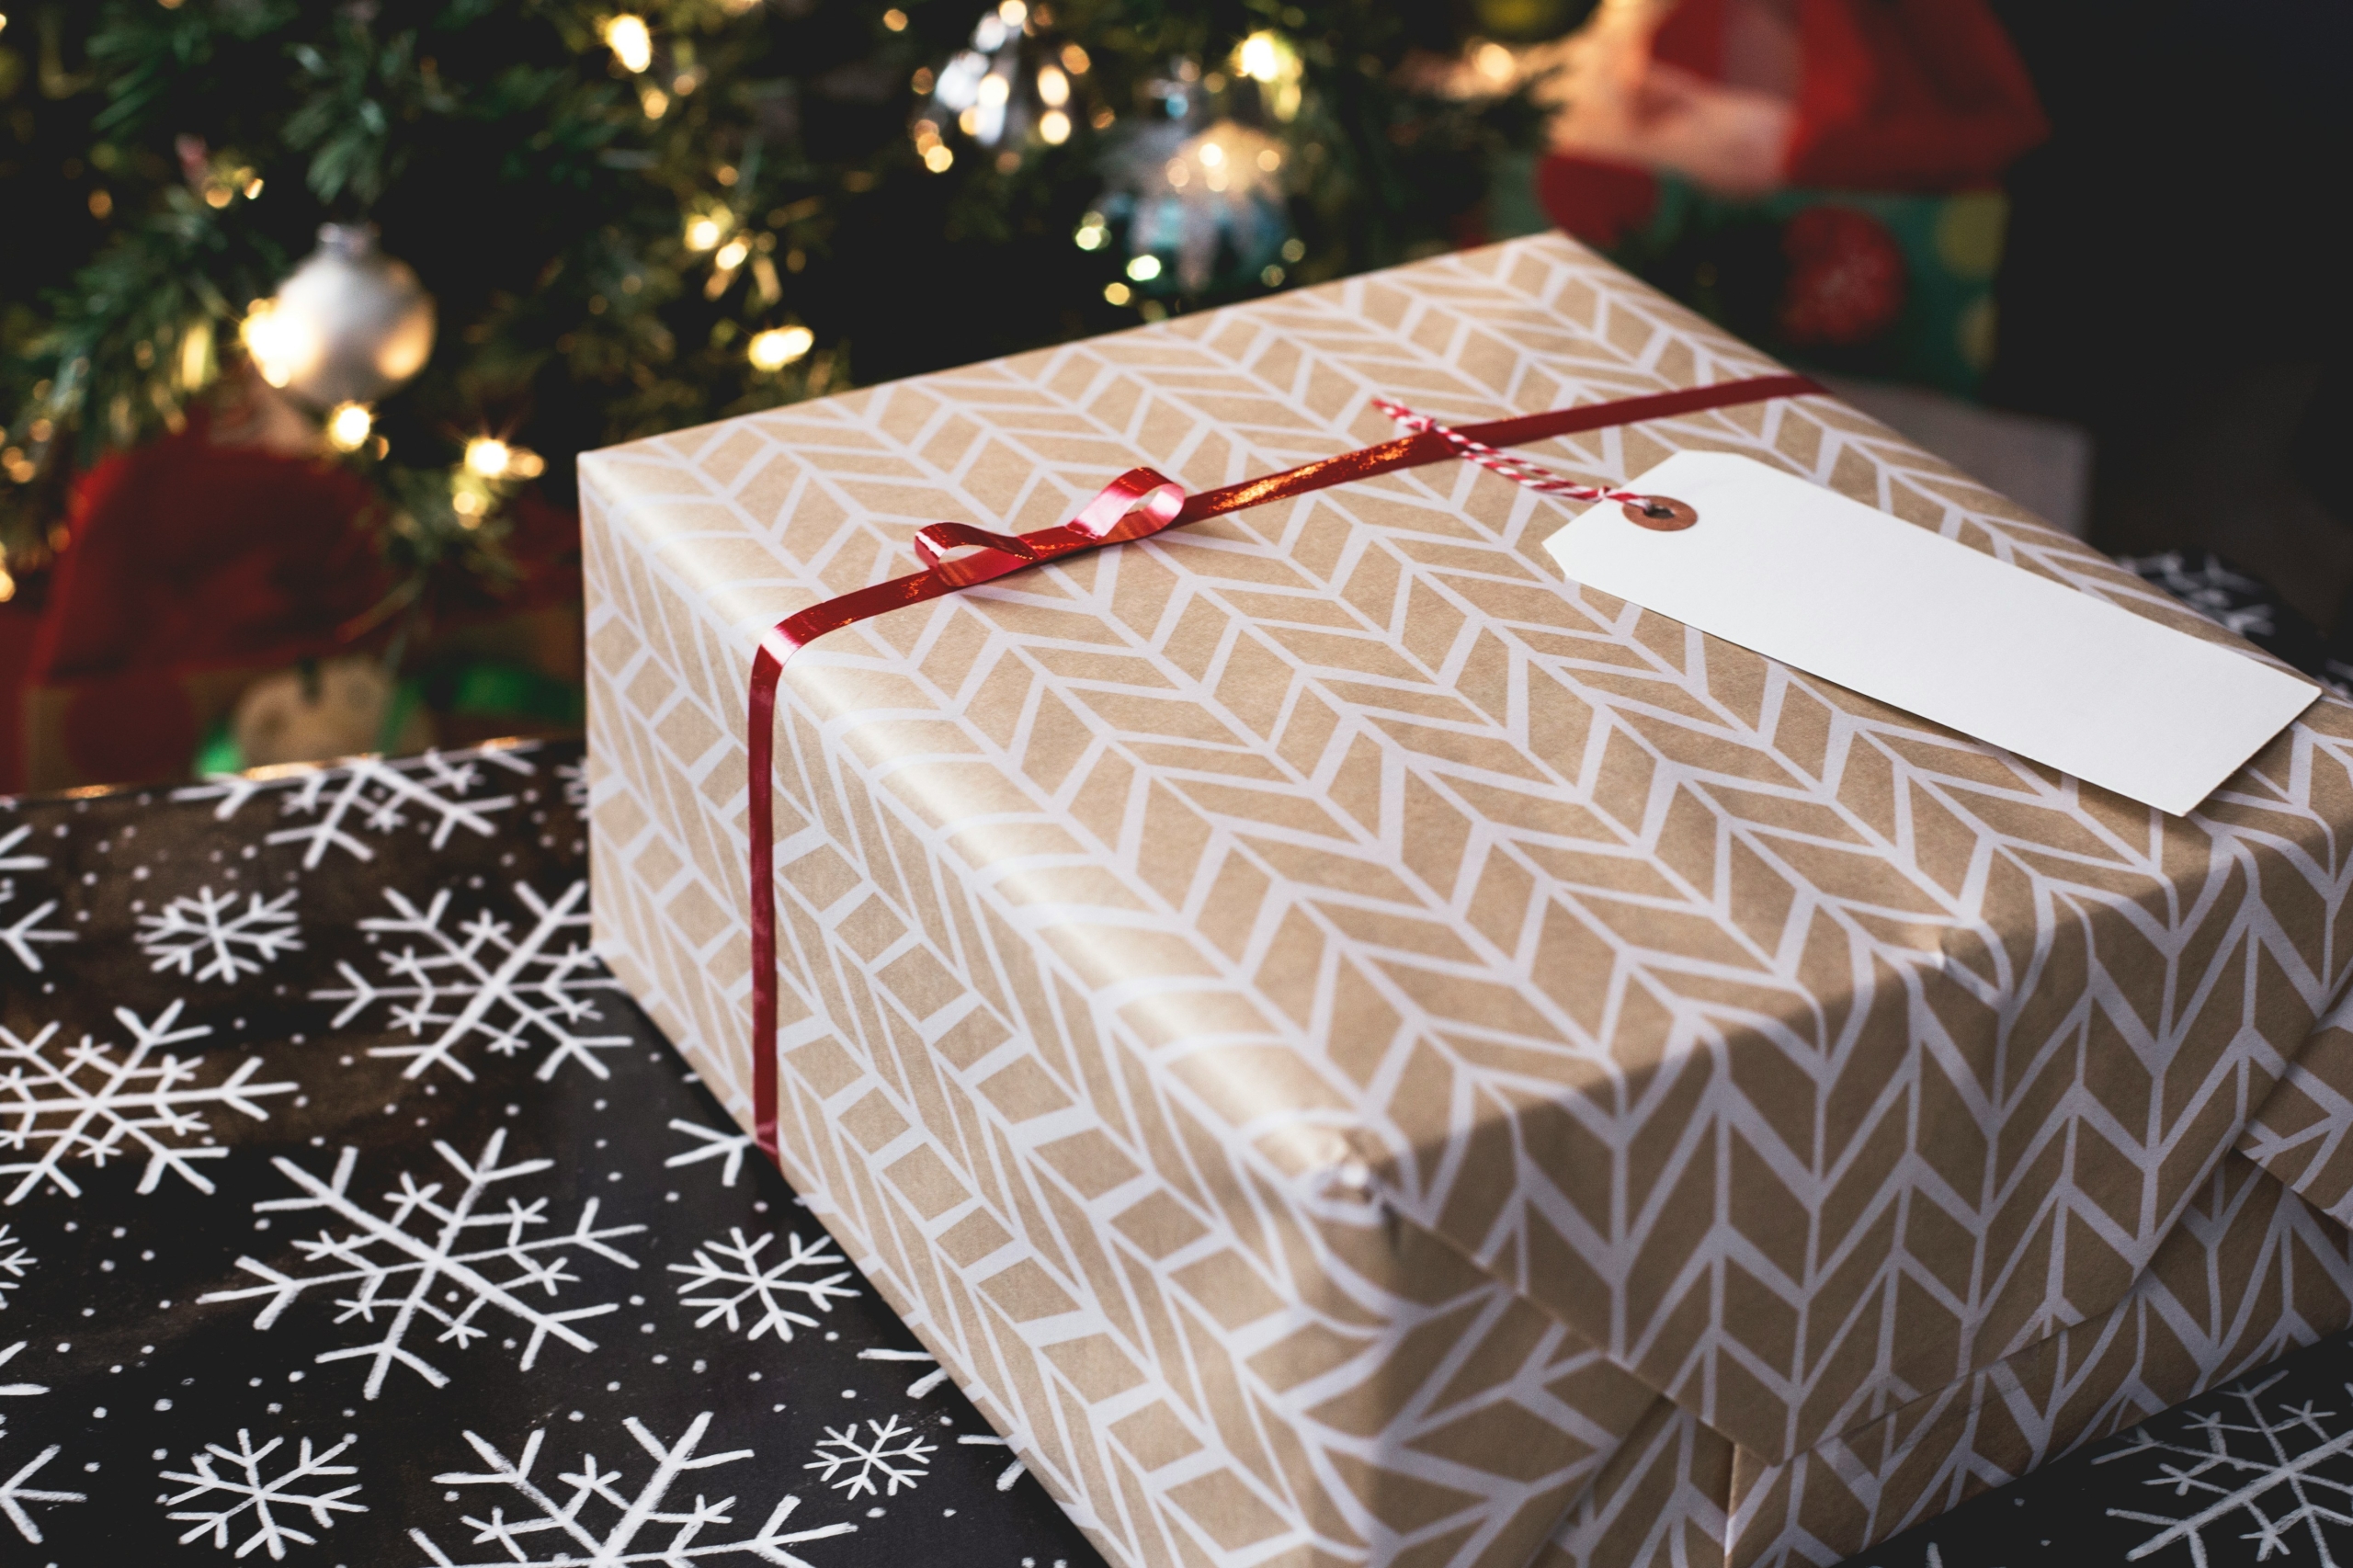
630 40
280 343
704 232
1053 126
349 425
779 347
1272 60
196 355
488 456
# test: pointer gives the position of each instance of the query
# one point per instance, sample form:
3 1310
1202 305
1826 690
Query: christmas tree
605 223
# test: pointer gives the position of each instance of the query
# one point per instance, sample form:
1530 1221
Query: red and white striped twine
1517 470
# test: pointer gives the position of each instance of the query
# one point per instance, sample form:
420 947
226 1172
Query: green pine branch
549 198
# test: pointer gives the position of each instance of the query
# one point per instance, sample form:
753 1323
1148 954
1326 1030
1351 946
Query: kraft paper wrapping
1352 1049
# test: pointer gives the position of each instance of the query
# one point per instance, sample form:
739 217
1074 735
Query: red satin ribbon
1138 503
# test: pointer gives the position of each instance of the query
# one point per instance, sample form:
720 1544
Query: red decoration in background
1923 95
185 554
1846 277
195 567
1890 94
1599 204
1909 95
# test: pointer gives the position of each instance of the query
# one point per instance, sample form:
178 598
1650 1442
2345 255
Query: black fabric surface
273 1049
2258 1472
395 984
2238 601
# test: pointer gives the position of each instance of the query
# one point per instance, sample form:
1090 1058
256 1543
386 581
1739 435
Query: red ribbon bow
1137 504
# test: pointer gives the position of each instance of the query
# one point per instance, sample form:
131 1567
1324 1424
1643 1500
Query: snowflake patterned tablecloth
349 1215
2258 1472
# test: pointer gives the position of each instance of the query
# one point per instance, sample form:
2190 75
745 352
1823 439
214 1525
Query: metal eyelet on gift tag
1660 514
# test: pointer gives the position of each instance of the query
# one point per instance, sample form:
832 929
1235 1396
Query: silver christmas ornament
1196 210
348 325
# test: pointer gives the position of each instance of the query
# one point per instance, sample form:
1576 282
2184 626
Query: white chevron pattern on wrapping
1321 1024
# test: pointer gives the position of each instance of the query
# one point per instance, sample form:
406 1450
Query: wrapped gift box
1353 1050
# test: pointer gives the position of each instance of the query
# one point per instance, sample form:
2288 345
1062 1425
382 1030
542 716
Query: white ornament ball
349 325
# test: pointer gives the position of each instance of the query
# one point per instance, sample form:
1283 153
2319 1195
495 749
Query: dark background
2176 278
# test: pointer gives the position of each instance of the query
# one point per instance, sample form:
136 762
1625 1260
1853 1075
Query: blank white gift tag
1903 614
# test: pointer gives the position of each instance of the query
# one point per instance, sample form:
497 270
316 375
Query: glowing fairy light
1272 60
1053 126
779 347
283 344
630 40
488 456
196 355
349 425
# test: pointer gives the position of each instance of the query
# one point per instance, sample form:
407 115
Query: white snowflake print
209 937
95 1106
2228 1470
886 1457
20 935
480 979
17 1490
548 1532
729 1146
575 783
1011 1472
238 1495
439 1272
15 1262
13 1391
372 795
924 1382
731 1274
